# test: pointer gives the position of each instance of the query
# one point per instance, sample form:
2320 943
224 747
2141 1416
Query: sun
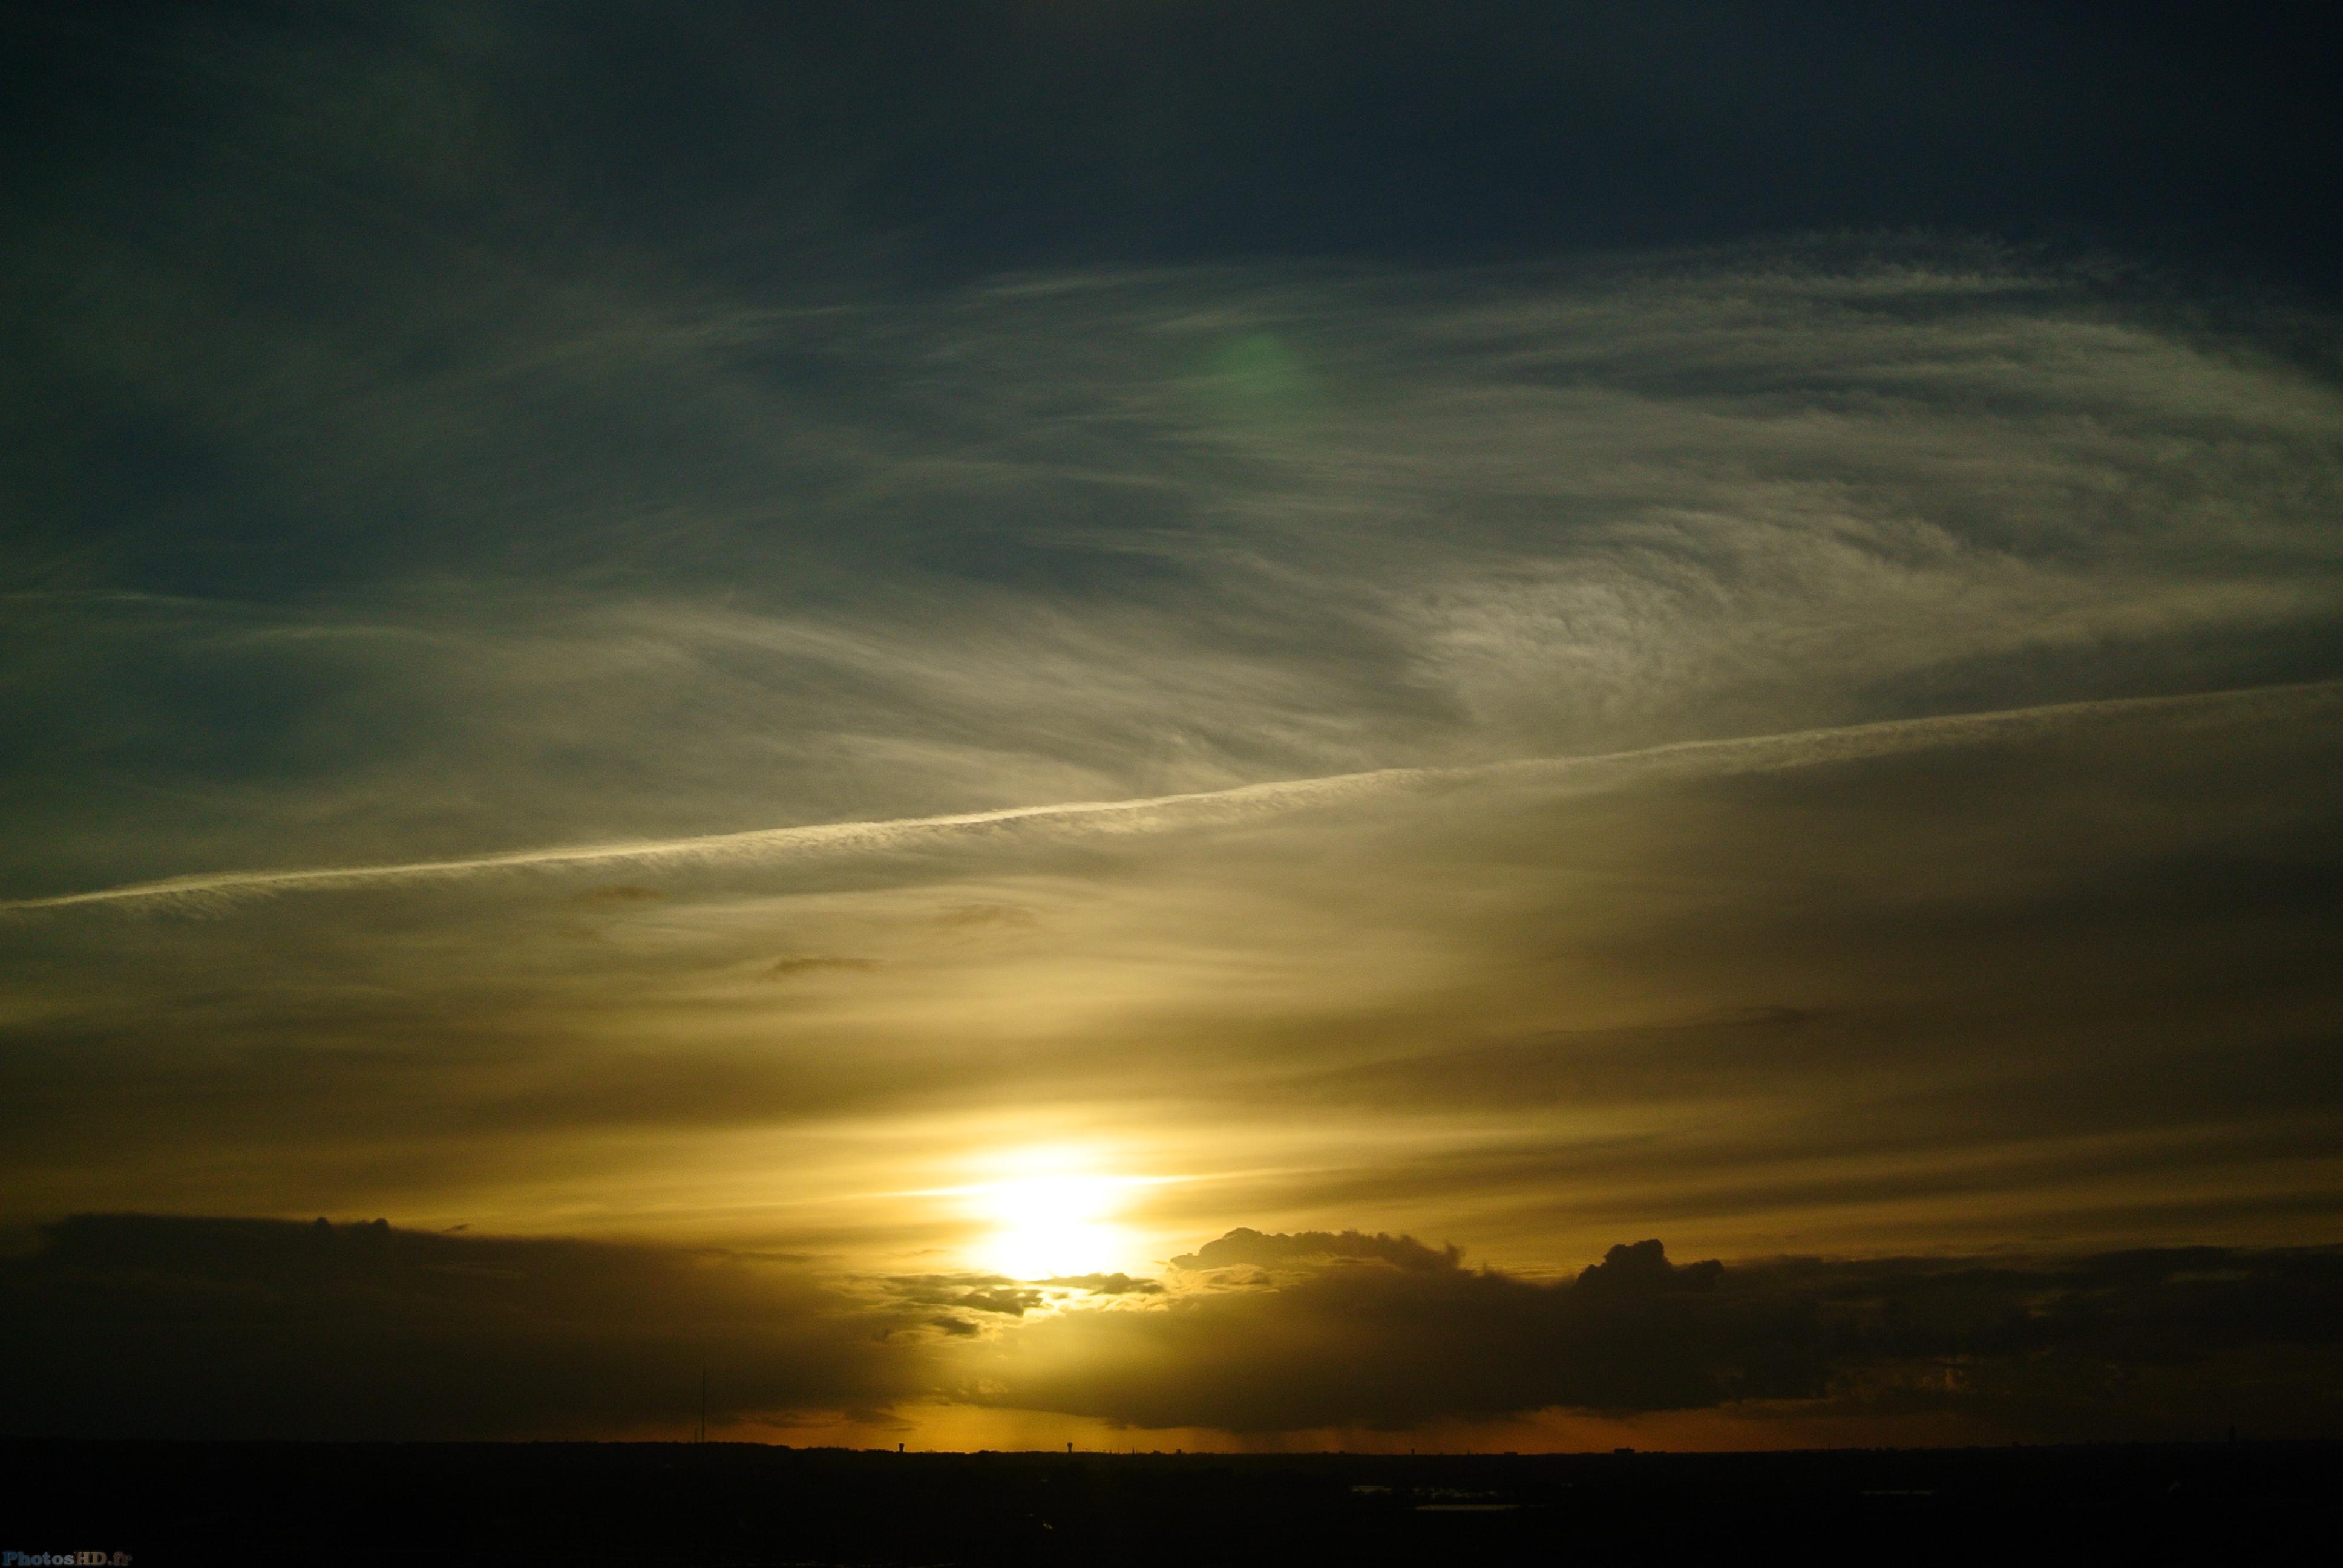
1054 1217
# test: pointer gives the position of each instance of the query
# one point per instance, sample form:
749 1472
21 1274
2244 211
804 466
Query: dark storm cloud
135 1325
2154 1339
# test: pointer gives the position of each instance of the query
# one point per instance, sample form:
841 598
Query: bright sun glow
1051 1220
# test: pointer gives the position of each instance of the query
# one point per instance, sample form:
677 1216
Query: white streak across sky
1795 749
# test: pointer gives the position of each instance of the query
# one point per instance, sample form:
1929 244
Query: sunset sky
1151 722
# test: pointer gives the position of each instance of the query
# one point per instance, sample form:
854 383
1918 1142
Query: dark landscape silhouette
725 1503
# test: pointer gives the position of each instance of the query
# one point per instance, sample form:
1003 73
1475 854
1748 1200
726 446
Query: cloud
1041 556
1374 1330
1641 1268
1378 1332
135 1325
1800 743
992 1293
1411 710
1245 1246
2055 975
618 894
812 963
765 846
997 1297
155 1326
1106 1284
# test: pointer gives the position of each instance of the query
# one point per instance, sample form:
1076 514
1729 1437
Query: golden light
1054 1218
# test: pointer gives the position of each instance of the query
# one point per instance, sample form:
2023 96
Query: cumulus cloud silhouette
1342 1328
1244 1245
1643 1269
1382 1332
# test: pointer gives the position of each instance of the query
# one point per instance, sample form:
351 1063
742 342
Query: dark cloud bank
132 1324
1321 1330
126 1324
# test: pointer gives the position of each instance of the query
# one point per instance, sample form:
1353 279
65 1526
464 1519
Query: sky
1169 724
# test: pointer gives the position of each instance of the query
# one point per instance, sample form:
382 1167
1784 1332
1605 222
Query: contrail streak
1795 749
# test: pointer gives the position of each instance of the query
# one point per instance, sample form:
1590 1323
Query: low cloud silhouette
1107 1284
998 1297
137 1325
802 963
971 1293
1643 1269
1376 1331
1245 1246
1344 1328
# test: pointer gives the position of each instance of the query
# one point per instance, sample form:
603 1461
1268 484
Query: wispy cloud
1119 536
1163 812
